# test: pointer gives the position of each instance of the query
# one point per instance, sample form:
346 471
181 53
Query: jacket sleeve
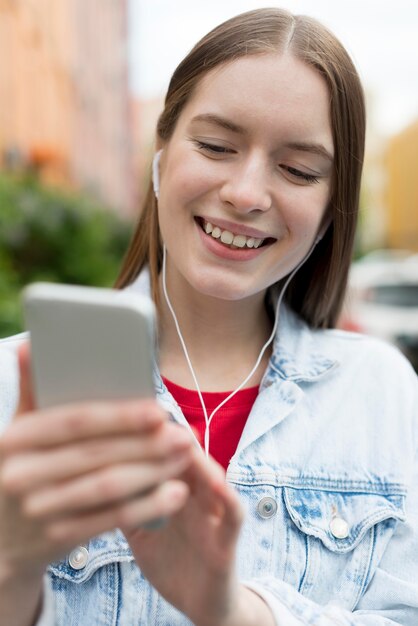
9 383
9 389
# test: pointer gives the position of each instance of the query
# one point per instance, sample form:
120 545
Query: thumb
26 396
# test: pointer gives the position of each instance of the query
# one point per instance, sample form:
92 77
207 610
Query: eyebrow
301 146
313 148
212 118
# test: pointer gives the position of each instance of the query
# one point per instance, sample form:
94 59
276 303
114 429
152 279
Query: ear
156 173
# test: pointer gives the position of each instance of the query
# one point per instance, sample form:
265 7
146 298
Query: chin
223 288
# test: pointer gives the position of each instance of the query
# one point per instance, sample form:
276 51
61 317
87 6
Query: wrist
247 608
11 574
251 610
15 585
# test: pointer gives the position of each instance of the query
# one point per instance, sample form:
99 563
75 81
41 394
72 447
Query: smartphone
89 343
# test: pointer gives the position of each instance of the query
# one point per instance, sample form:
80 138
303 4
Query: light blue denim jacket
326 470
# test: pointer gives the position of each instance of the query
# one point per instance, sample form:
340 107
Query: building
402 189
64 94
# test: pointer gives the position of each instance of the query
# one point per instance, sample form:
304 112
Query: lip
237 229
220 250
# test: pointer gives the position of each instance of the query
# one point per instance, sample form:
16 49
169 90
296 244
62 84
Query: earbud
322 231
156 173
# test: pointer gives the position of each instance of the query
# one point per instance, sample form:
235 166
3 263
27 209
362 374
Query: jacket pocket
85 560
87 583
317 513
345 535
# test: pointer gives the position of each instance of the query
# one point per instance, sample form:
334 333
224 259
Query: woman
247 233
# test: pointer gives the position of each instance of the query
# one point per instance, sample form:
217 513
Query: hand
72 472
191 560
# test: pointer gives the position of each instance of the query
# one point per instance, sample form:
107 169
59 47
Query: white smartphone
89 343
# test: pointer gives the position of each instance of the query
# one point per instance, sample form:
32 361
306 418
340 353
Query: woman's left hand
191 560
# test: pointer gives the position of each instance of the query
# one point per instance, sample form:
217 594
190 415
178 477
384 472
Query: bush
53 236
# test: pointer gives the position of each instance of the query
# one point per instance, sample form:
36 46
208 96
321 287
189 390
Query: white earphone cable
208 419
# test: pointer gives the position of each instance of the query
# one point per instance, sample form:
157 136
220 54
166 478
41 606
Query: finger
202 474
27 471
163 501
206 479
76 422
102 488
232 517
26 396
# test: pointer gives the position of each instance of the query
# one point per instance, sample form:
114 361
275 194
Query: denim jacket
326 470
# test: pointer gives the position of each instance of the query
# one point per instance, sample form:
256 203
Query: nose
246 186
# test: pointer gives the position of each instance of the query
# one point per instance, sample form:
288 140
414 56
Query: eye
212 148
300 176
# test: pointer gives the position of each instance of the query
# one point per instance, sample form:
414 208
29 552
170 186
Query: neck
223 338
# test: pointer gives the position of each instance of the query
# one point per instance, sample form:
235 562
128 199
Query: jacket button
339 528
267 507
79 557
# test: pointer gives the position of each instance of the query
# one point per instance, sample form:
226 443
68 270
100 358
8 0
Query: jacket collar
297 349
298 354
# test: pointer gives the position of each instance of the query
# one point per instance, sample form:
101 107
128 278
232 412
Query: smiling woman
232 161
326 64
244 242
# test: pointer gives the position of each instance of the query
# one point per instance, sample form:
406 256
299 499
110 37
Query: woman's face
245 178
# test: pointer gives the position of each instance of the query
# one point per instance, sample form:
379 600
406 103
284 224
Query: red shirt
227 424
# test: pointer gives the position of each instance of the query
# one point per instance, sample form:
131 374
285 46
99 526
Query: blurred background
81 87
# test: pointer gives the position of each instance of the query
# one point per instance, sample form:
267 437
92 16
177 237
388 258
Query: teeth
228 238
239 241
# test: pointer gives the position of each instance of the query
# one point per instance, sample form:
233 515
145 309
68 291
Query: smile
230 239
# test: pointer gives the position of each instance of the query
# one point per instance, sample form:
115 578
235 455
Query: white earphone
323 230
156 173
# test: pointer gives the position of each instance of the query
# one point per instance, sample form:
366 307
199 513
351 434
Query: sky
380 35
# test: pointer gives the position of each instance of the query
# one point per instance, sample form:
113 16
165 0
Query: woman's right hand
72 472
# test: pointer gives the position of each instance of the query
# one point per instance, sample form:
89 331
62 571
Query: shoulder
377 375
9 377
350 349
314 353
366 353
357 367
13 342
358 393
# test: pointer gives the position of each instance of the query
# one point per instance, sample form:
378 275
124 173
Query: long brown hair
316 292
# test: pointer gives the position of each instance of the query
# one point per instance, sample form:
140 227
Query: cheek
300 218
307 209
177 188
187 176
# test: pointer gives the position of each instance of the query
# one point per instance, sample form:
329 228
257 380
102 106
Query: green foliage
52 236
